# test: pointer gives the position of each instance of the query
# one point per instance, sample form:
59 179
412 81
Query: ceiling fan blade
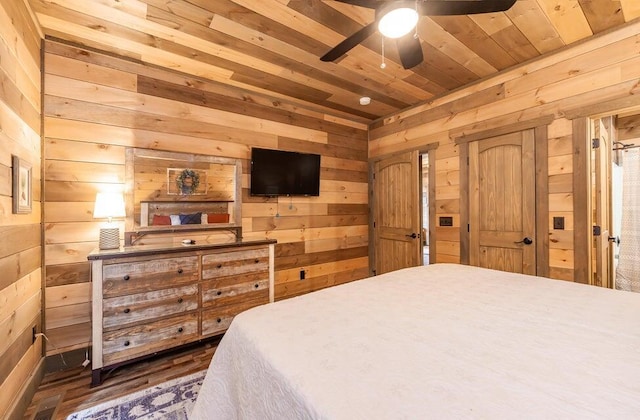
410 50
350 42
463 7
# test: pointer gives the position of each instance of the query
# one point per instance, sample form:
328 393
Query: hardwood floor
63 393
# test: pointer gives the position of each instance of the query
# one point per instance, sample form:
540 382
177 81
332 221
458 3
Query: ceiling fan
397 19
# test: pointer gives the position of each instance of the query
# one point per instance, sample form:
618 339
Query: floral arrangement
188 181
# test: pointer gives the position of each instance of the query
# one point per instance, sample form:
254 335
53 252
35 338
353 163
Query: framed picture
21 184
186 181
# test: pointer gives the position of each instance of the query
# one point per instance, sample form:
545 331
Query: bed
442 341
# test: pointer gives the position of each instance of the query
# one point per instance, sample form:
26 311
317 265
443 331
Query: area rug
171 400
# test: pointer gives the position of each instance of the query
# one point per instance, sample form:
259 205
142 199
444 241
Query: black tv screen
277 172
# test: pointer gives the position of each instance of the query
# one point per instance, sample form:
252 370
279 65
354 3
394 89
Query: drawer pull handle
126 277
179 270
218 293
256 261
219 266
219 320
256 285
126 311
180 300
180 329
126 343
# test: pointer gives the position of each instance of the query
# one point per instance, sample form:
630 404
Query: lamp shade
108 205
397 22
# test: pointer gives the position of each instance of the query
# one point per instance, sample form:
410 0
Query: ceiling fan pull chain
383 64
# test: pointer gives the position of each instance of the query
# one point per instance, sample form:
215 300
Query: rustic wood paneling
290 289
70 337
309 259
18 265
259 47
161 110
16 351
189 95
628 127
61 274
303 222
21 246
473 100
14 99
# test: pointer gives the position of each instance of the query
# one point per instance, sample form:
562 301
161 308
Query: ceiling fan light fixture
398 22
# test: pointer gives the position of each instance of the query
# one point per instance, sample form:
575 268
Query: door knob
526 241
413 235
614 239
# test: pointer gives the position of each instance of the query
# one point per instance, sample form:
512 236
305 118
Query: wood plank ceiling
271 48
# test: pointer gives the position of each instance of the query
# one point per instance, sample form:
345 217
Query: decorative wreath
188 189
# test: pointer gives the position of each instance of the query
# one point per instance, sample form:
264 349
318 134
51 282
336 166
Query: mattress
441 341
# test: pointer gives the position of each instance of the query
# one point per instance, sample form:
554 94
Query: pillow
159 219
218 218
191 219
175 219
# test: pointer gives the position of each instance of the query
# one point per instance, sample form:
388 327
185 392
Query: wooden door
502 208
396 224
601 181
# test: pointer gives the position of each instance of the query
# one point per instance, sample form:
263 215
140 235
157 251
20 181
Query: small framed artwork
181 181
21 184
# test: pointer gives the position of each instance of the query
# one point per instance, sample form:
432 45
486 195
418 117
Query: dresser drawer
233 290
143 276
128 343
121 311
217 320
235 262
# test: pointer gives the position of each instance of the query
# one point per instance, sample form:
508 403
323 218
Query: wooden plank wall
21 358
96 105
606 68
628 129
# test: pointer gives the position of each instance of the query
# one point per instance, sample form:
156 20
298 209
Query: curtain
628 270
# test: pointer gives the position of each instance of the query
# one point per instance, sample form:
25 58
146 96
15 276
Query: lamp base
109 238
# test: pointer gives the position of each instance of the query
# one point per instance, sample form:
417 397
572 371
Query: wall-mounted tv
278 172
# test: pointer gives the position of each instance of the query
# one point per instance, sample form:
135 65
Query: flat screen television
277 172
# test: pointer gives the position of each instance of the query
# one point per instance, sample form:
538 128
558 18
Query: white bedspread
440 342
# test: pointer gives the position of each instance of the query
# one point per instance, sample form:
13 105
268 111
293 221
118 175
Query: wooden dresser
147 298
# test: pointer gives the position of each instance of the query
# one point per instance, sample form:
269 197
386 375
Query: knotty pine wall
96 105
21 358
573 81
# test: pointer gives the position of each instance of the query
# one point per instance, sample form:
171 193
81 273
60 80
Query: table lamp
109 205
